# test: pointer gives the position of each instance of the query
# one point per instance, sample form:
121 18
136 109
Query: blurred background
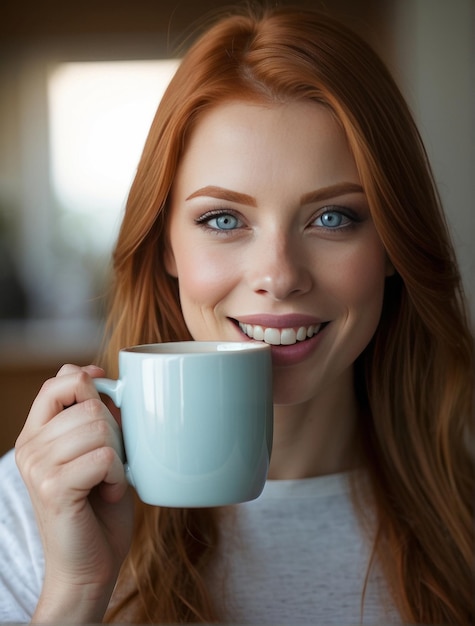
79 84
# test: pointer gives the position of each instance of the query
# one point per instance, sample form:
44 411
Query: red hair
415 380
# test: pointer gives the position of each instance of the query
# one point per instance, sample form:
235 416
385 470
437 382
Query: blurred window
99 115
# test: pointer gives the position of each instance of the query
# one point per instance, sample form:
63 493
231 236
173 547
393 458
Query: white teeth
257 333
288 336
279 337
272 336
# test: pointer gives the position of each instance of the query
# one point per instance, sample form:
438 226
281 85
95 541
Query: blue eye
224 222
220 221
332 220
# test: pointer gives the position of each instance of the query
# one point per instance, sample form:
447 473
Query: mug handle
114 389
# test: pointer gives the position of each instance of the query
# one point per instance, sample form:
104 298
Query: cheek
204 277
357 281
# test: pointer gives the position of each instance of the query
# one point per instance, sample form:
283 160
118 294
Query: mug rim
196 348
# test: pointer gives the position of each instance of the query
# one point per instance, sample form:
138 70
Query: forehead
288 142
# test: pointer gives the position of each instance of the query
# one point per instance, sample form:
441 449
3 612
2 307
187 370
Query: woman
283 186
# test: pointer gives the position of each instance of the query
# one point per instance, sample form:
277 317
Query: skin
287 258
269 222
69 454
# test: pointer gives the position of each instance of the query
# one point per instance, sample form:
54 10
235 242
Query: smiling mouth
280 336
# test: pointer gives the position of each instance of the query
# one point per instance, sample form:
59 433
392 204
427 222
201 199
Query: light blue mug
197 420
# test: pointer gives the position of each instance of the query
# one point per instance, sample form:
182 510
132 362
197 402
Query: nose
278 267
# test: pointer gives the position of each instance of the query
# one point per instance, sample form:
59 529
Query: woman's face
271 239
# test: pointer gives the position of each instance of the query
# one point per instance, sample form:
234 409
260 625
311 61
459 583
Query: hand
69 454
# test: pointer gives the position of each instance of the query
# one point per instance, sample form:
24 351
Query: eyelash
348 214
204 220
354 219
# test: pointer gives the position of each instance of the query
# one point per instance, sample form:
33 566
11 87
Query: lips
280 336
293 337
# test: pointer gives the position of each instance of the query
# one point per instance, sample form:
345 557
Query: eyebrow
332 191
212 191
325 193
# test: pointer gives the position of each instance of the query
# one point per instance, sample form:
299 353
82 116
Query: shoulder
8 466
21 552
13 488
14 496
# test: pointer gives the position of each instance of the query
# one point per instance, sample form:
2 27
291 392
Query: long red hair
414 381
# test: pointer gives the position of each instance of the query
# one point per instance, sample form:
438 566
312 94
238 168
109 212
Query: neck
316 437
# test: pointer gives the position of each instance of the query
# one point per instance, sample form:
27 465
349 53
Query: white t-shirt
21 553
295 555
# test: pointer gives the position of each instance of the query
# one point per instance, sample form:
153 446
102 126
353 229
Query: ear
169 260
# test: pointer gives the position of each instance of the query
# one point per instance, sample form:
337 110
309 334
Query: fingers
93 370
72 385
69 454
57 442
77 430
63 486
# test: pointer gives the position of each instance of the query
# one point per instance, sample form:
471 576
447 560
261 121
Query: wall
433 45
